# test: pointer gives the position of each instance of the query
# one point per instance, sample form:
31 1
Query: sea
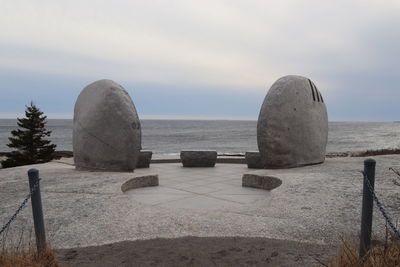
169 137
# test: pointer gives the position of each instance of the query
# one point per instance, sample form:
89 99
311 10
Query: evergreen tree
29 140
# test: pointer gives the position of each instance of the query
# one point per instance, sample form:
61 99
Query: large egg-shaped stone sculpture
292 128
107 132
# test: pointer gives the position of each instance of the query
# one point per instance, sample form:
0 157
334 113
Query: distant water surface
172 136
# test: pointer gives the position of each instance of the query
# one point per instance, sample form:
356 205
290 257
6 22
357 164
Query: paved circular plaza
315 204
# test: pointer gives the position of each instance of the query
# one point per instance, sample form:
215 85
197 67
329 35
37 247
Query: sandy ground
87 214
199 251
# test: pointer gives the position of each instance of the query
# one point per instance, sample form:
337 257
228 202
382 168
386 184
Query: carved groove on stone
312 89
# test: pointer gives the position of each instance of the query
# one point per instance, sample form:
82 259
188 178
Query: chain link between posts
380 206
21 207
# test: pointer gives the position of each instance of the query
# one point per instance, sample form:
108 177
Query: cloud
145 51
225 46
234 43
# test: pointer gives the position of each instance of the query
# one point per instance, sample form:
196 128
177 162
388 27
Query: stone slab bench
260 181
141 181
144 159
253 160
198 158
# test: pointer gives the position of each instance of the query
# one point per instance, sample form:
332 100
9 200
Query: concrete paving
316 204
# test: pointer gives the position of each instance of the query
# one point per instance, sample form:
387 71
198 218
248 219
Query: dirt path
199 251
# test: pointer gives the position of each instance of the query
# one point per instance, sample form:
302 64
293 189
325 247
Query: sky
201 59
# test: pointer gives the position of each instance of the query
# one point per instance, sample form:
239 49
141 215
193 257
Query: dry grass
28 258
21 251
381 254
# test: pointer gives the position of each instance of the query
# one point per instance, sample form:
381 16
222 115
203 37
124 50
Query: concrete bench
260 181
198 158
253 160
141 181
144 159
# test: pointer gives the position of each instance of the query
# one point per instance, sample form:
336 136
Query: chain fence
21 207
381 207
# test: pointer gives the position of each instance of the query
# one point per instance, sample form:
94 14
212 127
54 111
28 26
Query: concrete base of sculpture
198 158
260 181
144 159
141 181
253 160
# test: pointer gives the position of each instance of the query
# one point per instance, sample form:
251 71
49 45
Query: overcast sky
203 59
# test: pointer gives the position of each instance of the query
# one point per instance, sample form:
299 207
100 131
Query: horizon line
69 116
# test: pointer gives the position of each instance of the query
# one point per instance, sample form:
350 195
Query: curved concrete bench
141 181
260 181
144 159
253 160
198 158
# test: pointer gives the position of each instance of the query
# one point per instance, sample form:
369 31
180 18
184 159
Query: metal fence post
367 206
37 210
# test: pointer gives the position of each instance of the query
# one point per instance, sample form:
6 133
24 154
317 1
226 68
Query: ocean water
169 137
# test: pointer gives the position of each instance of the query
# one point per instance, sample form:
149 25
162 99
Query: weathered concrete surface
315 204
292 128
106 131
198 158
260 181
253 160
141 181
144 159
